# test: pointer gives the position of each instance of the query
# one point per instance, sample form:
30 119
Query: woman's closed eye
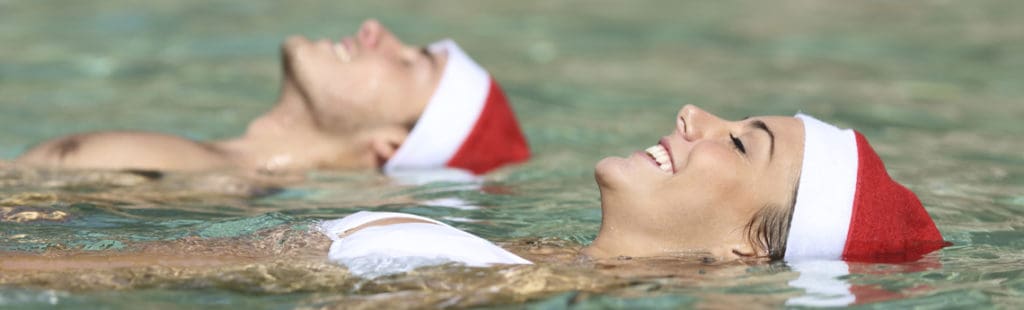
738 144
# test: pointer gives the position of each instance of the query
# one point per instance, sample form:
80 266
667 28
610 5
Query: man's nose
369 33
374 36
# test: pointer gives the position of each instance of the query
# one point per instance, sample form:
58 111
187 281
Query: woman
771 187
775 187
766 188
366 101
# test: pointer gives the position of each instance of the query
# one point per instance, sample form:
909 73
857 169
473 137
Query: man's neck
287 138
292 147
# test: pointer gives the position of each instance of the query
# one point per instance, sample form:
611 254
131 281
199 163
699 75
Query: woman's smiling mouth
661 155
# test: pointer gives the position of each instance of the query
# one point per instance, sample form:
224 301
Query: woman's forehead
783 124
789 141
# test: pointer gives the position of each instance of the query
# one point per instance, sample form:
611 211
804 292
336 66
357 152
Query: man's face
368 81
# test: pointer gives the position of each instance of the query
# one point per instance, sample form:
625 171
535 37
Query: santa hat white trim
449 116
824 201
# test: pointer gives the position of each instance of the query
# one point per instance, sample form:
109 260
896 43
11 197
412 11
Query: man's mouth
661 155
341 50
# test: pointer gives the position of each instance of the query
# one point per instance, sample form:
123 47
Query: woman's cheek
717 167
712 157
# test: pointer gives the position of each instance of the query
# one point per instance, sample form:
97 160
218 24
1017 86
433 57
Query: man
365 101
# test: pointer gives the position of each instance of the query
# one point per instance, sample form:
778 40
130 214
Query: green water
935 85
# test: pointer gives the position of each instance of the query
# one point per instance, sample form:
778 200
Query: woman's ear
385 141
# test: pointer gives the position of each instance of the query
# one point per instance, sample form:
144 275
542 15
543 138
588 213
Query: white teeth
661 156
342 53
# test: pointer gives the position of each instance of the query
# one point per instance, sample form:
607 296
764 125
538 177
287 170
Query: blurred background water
935 85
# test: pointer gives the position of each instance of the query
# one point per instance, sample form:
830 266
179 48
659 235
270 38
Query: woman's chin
609 171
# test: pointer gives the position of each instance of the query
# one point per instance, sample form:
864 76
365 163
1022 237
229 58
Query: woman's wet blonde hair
768 229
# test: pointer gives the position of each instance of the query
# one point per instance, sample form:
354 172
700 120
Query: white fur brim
449 116
824 200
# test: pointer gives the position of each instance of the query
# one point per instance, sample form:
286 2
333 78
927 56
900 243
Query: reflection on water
935 86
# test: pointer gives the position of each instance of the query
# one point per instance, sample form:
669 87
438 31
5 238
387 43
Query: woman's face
698 187
369 80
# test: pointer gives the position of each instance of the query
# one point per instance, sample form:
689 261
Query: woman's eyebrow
426 53
759 124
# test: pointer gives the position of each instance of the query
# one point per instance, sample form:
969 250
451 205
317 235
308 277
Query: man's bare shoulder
125 150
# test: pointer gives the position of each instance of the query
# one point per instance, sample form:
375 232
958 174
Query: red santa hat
468 123
847 206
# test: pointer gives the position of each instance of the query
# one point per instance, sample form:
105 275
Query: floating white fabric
389 249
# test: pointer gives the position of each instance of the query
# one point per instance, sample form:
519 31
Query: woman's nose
693 123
